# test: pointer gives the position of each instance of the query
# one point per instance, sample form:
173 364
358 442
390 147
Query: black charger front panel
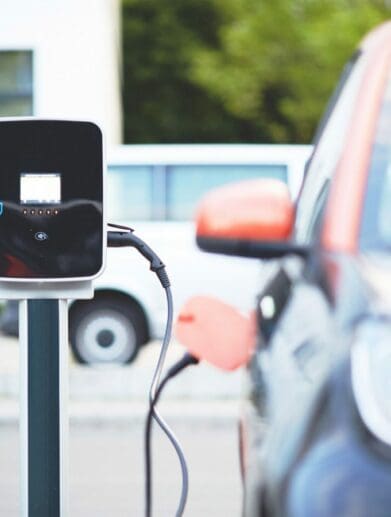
51 199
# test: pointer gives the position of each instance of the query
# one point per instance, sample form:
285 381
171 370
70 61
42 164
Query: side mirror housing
249 219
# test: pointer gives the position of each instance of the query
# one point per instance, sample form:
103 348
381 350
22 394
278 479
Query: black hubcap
105 338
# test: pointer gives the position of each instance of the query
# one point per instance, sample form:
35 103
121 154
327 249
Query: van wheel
106 330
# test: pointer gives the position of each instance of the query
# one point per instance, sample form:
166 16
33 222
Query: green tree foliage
282 59
236 70
162 103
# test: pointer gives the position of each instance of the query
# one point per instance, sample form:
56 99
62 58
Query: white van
155 189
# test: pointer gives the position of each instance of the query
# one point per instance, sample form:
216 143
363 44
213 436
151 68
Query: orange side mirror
234 218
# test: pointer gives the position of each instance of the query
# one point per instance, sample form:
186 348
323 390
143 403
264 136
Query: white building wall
76 45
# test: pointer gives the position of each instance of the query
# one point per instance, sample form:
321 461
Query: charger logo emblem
41 236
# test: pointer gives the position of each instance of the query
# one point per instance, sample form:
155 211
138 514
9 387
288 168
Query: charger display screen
40 188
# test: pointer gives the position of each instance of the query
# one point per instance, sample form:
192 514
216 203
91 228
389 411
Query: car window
186 184
129 193
346 72
326 156
376 228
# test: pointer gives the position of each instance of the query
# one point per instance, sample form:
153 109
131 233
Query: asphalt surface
112 383
106 472
107 411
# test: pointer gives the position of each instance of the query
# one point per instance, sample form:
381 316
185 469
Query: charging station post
52 244
43 379
44 432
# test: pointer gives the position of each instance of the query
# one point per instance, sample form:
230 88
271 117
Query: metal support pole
43 335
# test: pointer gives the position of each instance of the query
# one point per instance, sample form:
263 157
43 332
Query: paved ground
106 472
124 383
107 407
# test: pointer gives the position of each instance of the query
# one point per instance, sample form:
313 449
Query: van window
186 184
172 192
129 191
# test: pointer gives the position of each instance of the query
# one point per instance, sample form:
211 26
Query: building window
16 83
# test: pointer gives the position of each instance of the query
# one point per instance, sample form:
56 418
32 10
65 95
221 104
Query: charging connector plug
120 239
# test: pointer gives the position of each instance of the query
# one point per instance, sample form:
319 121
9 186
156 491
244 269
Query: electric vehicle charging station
52 244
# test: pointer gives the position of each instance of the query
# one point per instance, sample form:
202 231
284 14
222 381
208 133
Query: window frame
370 237
315 190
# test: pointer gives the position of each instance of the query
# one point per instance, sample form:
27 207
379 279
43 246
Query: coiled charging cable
125 238
187 360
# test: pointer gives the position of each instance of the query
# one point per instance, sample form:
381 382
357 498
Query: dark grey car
316 429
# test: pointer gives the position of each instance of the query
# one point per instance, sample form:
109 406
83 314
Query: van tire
106 330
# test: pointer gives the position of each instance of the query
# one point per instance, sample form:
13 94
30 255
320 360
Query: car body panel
306 449
343 216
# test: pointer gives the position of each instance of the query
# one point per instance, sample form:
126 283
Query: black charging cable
126 238
187 360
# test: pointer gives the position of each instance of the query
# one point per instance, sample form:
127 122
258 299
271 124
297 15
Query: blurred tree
282 59
162 103
236 70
